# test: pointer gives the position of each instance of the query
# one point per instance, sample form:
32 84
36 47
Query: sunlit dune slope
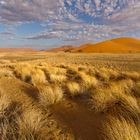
119 45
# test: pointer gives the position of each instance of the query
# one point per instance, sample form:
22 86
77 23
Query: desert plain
69 96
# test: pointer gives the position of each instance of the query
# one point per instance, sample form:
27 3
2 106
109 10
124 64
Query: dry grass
73 89
55 78
120 129
111 93
37 77
49 94
5 73
23 71
27 121
101 99
31 125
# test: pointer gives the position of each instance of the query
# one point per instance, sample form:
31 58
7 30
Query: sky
44 24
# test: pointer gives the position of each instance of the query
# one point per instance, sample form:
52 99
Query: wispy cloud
46 35
7 33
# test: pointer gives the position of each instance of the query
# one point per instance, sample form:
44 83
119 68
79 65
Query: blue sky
44 24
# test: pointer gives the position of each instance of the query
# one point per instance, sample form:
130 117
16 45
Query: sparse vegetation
28 105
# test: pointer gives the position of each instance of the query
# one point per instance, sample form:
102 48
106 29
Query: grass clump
49 95
73 89
120 128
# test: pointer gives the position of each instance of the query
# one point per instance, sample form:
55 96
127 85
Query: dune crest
117 45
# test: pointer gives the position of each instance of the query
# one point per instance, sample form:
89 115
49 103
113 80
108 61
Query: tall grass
110 93
49 95
120 129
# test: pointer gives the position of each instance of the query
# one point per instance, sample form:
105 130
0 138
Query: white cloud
46 35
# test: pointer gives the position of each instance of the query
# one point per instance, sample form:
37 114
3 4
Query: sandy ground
82 122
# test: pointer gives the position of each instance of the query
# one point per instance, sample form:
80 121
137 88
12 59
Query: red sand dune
118 45
17 50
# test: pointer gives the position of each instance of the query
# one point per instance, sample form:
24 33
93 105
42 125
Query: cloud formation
27 10
43 10
73 20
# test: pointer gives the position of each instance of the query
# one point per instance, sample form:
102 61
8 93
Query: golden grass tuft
23 72
73 75
133 75
31 125
49 95
9 111
37 77
73 89
88 81
6 73
102 99
105 74
55 78
120 129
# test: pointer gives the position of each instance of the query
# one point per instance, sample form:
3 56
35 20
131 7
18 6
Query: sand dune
118 45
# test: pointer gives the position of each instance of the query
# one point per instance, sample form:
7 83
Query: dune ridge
117 45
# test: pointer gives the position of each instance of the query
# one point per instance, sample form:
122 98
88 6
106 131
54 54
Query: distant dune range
118 45
63 48
17 50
